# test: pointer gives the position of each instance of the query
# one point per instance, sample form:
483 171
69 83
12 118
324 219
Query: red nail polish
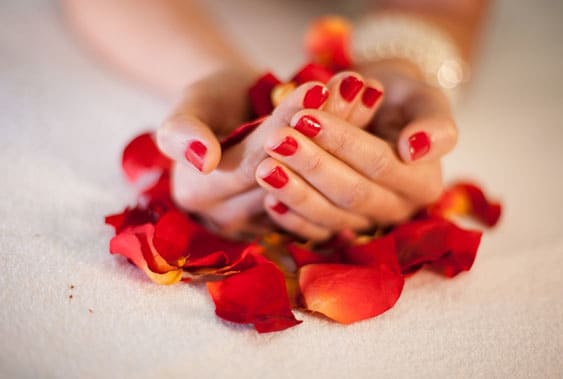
195 154
419 145
286 147
315 97
308 125
349 88
280 208
370 96
277 178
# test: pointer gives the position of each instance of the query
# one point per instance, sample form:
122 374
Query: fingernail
288 146
349 88
277 178
308 125
419 145
315 97
280 208
370 96
195 154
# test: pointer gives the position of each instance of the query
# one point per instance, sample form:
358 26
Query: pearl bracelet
389 36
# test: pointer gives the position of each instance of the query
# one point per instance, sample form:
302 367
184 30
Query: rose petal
467 199
173 234
129 245
260 94
435 241
327 42
256 296
240 133
348 293
142 156
303 256
130 217
378 251
312 72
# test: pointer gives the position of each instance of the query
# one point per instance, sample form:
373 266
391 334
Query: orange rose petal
255 296
327 42
348 293
467 199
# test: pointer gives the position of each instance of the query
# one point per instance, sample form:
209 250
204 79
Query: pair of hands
312 167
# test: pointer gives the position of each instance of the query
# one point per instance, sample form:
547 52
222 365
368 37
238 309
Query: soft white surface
63 121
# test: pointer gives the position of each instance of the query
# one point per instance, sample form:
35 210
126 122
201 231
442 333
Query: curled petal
129 245
142 156
130 217
240 133
437 242
255 296
260 94
348 293
467 199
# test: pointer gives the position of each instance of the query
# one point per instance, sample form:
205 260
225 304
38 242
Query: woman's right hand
220 186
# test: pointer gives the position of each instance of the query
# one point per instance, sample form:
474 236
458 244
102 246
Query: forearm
462 19
165 44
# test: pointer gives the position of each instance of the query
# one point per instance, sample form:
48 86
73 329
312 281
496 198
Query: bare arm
165 44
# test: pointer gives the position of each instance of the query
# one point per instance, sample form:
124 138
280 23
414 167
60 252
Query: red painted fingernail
308 125
280 208
315 97
349 88
370 96
286 147
419 145
195 154
277 178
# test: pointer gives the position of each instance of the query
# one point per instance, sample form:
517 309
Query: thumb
186 139
426 139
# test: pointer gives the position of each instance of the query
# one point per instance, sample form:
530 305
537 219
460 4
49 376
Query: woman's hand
346 177
221 186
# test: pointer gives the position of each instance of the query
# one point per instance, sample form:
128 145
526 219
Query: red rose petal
303 256
240 133
172 235
142 156
130 217
438 242
348 293
260 94
256 296
378 251
312 72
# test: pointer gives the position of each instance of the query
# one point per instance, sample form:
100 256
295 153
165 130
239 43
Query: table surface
64 120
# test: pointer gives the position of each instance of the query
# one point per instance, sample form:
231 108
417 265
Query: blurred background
64 119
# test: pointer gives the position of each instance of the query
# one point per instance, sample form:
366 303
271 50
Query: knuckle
380 165
312 164
355 197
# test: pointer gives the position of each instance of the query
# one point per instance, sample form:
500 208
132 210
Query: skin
344 177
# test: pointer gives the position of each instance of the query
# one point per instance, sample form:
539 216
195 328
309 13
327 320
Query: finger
187 140
371 156
293 222
427 139
297 194
370 101
334 179
234 214
236 171
345 92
